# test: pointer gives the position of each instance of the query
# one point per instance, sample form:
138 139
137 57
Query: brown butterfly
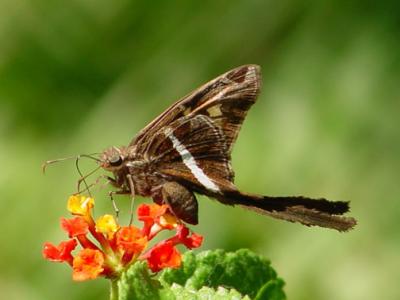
187 150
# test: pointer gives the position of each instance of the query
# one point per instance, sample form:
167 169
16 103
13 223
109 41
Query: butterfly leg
182 202
114 204
108 180
132 189
112 193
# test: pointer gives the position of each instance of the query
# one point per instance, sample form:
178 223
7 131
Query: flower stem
114 294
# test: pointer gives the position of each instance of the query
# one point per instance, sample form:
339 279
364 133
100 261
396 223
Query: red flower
163 255
88 264
182 237
74 227
116 248
59 253
146 212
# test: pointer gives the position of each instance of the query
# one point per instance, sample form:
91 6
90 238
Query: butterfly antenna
83 178
52 161
90 185
91 156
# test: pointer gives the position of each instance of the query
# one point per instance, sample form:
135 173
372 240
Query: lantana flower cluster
108 248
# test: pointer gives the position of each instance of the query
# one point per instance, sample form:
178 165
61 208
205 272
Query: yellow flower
168 221
80 205
106 224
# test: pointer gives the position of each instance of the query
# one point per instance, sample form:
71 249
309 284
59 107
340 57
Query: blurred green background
79 76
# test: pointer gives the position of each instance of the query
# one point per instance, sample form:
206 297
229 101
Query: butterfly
187 151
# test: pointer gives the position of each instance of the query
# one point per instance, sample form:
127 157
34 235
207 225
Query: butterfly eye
115 160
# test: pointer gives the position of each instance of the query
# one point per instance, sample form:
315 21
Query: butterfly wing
191 142
193 151
225 100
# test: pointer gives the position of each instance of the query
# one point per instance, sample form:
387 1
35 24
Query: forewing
225 100
227 106
192 151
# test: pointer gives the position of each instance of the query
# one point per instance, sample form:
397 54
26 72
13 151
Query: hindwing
192 150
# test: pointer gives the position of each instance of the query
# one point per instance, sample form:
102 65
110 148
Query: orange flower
156 218
115 248
131 239
163 255
131 242
59 253
88 264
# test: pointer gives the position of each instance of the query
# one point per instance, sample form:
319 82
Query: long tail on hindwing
307 211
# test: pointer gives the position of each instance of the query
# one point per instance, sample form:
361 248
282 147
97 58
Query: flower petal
131 239
182 237
168 221
80 205
107 224
60 253
74 227
151 211
156 218
163 255
88 264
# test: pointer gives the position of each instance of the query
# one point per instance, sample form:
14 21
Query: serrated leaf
179 292
137 283
244 271
272 290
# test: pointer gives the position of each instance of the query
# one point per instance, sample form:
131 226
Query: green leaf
243 271
136 283
272 290
179 292
216 275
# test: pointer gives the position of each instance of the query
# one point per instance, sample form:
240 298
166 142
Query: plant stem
114 290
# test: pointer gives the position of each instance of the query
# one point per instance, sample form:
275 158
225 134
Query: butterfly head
113 158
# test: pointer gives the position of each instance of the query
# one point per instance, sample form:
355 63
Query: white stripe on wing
190 162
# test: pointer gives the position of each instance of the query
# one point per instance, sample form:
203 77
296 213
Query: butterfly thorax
142 176
123 163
